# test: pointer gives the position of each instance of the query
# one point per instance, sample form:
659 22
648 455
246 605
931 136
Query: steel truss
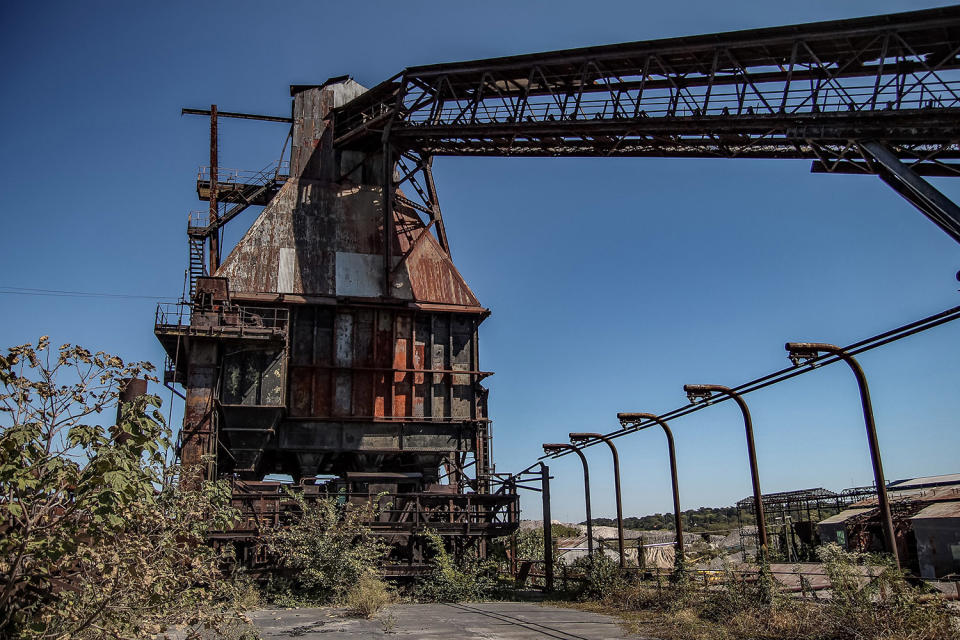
788 92
876 95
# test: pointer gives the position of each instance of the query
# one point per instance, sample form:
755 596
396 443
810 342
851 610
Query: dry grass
890 610
368 597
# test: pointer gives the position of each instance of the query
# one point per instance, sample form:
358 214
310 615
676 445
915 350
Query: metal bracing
414 172
803 91
920 193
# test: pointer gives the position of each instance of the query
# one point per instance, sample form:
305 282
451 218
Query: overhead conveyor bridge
875 95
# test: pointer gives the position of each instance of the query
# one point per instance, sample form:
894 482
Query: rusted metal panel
431 273
367 361
320 239
253 377
326 437
377 364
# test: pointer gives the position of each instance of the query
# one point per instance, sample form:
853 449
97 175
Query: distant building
926 515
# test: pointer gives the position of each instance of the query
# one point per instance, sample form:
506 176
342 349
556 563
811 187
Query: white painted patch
286 267
359 274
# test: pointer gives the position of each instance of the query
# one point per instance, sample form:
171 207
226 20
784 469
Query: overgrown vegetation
449 581
327 551
867 601
98 540
368 596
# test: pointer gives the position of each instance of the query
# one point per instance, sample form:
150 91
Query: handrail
233 316
271 172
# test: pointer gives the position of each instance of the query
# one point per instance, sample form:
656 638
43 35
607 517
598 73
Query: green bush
602 574
447 582
324 553
368 596
97 538
881 603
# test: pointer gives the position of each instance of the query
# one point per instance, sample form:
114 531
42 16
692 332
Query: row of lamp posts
799 353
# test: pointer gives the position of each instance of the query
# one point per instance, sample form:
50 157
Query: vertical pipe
388 214
754 472
586 500
677 521
547 527
214 212
616 487
883 501
512 489
675 485
694 391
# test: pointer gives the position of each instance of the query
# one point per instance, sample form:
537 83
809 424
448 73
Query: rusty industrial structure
338 340
328 343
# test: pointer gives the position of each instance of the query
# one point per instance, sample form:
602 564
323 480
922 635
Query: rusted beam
214 207
234 114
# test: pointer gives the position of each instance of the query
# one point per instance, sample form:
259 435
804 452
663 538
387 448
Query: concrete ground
506 620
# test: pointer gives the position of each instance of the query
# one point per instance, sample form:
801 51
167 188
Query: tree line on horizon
701 520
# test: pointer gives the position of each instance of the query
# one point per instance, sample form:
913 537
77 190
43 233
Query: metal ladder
198 266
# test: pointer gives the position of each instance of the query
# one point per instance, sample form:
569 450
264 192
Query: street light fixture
801 352
636 418
579 438
551 448
704 393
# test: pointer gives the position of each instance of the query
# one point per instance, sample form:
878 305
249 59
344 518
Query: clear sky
612 281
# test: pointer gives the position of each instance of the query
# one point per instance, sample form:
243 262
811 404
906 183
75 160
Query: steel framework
876 95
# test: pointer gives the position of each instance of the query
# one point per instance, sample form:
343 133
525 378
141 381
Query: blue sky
612 281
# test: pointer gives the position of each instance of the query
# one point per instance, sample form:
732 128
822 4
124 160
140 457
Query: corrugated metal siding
364 363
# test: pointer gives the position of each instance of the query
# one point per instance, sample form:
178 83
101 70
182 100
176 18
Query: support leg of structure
547 527
214 166
920 193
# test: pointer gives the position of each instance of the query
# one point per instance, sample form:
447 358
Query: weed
368 596
869 599
388 622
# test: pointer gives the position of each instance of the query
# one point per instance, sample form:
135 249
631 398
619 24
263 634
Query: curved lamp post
703 392
627 418
562 446
583 437
800 352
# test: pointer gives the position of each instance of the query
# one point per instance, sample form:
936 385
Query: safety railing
172 314
695 101
274 171
233 320
198 219
469 513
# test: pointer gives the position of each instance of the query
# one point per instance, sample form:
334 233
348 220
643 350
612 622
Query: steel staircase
198 266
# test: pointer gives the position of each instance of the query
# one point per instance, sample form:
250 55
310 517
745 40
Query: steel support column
704 391
214 211
616 487
547 527
677 521
941 210
560 446
801 350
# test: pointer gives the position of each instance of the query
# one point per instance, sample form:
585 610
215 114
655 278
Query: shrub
602 577
98 540
869 599
448 582
368 596
324 553
880 604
